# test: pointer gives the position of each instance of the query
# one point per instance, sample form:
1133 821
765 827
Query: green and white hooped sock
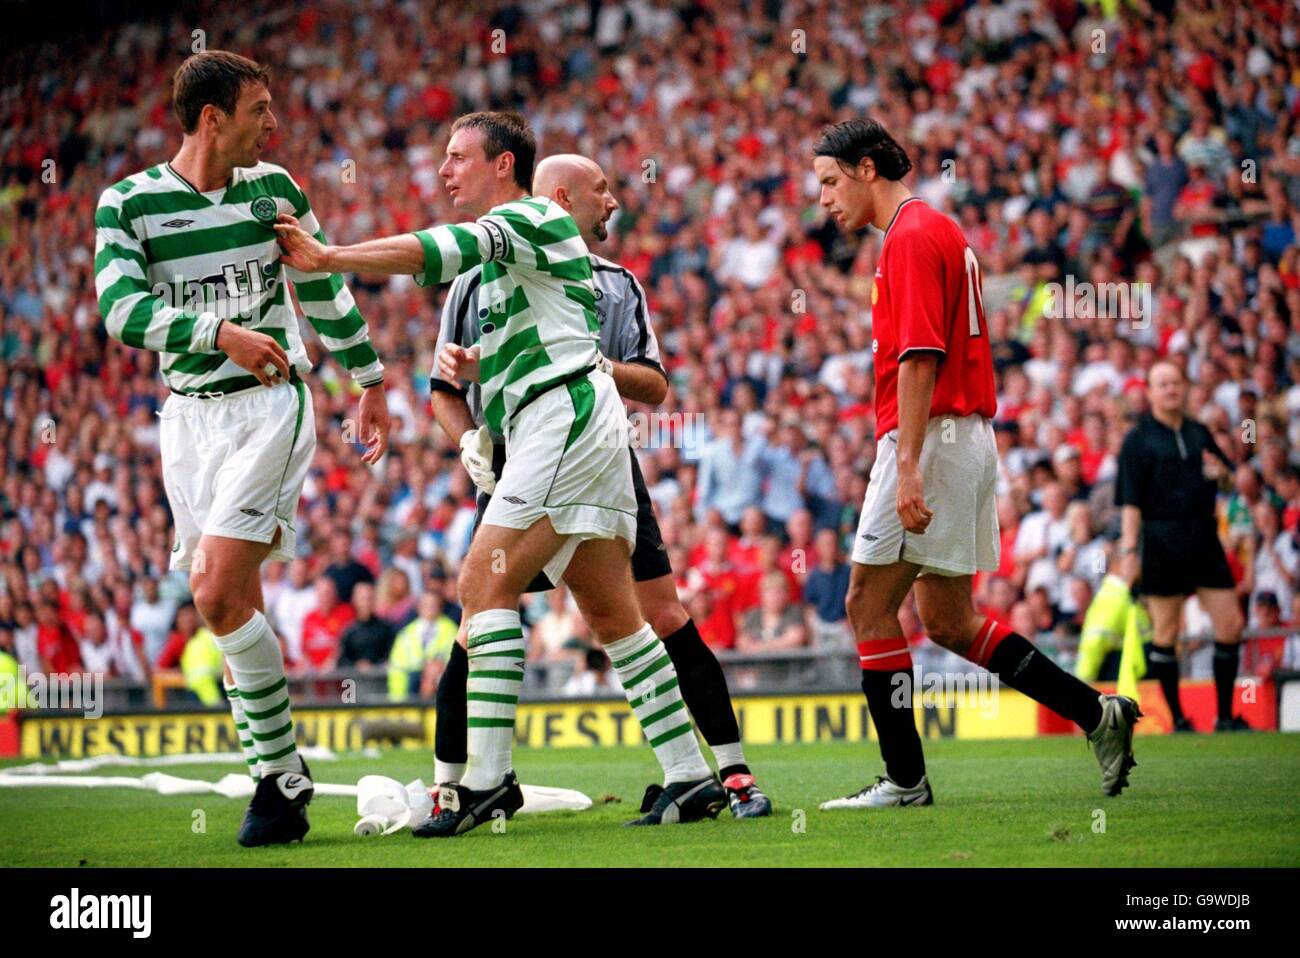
650 683
241 729
496 671
253 654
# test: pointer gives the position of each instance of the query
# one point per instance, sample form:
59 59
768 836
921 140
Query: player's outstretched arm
391 254
435 255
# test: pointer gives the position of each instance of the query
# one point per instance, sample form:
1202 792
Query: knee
665 617
945 628
857 604
224 610
474 591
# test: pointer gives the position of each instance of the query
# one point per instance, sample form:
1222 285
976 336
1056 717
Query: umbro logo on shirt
515 499
177 224
252 512
869 537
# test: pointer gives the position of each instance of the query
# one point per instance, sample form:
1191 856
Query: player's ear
506 164
867 168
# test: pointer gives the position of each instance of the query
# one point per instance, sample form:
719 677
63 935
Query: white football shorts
959 470
234 466
567 459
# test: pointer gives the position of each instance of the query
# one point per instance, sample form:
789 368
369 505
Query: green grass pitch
1228 800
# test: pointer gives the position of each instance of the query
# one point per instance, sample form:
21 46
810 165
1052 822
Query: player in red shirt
935 399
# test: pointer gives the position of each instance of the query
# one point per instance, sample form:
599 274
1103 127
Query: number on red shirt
974 298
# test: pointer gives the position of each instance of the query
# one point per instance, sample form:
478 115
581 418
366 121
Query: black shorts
649 558
1179 557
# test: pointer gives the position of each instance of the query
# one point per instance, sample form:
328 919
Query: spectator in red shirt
57 648
717 576
714 619
1196 204
187 623
323 628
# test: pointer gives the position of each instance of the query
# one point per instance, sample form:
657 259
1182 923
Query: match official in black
1169 467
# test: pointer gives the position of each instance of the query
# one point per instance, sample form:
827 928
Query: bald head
580 186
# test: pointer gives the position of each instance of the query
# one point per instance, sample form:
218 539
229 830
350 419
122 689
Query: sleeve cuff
643 361
442 386
922 349
432 259
216 331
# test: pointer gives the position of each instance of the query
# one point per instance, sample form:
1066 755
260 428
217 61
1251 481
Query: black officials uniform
625 337
1161 473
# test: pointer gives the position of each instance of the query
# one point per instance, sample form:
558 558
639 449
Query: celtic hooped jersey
171 263
541 326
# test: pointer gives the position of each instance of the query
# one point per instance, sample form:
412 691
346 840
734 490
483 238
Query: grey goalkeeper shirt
625 332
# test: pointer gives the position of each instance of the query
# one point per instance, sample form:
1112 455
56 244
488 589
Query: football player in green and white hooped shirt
564 503
629 346
187 265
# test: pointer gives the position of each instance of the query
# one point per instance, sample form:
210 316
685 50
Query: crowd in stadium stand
1079 143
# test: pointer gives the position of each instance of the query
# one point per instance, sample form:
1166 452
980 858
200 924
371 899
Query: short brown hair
505 130
213 76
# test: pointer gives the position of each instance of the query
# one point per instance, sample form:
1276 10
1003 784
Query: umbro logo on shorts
515 499
252 512
869 537
177 224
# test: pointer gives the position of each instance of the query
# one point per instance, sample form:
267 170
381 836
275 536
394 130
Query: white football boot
885 794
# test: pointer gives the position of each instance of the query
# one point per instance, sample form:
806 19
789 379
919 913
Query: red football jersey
927 296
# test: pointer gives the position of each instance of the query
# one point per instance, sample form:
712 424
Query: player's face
468 174
848 199
243 135
593 205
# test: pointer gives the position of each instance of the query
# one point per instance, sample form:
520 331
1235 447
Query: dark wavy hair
848 142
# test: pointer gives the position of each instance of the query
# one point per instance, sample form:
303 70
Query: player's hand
476 456
298 248
911 501
457 362
374 423
257 352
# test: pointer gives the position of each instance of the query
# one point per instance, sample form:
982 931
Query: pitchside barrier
986 711
800 695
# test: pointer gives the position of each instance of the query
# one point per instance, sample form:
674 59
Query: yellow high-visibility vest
201 665
13 692
417 644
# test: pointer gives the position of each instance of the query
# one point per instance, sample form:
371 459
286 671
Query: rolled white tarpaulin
385 806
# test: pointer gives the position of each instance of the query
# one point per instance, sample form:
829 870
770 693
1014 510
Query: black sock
704 688
891 713
1227 656
451 733
1162 665
1017 663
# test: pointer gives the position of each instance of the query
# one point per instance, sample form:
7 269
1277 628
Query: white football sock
496 671
253 654
650 683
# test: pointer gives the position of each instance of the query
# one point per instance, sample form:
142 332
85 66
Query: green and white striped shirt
172 263
541 326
